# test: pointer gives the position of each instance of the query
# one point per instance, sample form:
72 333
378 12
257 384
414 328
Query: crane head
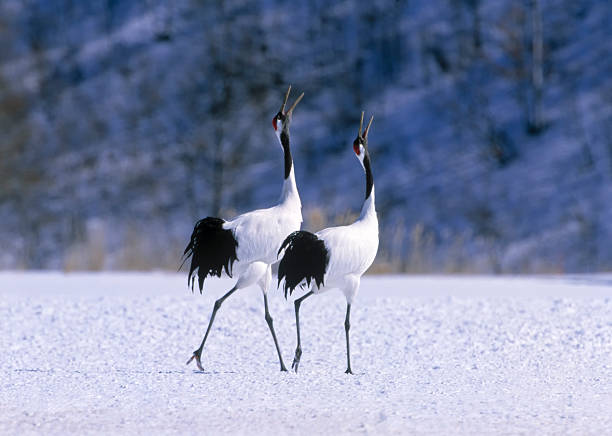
360 144
281 120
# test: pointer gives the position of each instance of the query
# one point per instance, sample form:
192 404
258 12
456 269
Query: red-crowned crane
335 257
247 245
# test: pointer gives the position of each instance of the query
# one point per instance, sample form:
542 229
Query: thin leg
197 354
298 350
347 327
271 325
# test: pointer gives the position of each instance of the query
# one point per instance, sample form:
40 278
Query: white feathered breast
261 232
352 248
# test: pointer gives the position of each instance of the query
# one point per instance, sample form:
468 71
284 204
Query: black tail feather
212 249
306 258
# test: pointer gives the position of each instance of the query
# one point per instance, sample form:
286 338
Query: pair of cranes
248 245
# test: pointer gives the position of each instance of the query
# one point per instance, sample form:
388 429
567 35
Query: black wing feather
212 249
306 258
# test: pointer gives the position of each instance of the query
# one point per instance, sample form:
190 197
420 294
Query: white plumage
259 233
352 250
247 245
335 257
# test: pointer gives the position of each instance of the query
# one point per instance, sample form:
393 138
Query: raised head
360 144
281 120
360 147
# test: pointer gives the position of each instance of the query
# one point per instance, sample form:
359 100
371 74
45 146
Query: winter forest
122 122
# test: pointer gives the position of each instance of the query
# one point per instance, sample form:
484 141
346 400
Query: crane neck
368 174
368 210
284 139
289 193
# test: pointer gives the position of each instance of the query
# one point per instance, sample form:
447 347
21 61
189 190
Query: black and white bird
335 257
247 245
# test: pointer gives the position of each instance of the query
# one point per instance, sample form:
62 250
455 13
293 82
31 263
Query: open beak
295 104
282 109
367 129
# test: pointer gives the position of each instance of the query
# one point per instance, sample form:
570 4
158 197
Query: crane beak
295 104
360 124
282 109
367 130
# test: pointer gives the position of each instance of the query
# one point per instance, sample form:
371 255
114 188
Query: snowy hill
123 122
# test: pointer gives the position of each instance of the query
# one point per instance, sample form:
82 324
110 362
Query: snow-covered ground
106 353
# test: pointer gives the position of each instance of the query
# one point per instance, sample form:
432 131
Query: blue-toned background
122 122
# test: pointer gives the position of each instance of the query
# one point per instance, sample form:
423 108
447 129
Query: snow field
106 353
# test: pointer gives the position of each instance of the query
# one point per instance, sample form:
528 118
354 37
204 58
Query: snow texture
106 353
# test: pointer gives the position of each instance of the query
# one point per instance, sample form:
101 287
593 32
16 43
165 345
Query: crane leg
197 354
347 327
298 350
270 322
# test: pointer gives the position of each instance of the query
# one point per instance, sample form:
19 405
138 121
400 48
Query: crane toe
197 358
296 359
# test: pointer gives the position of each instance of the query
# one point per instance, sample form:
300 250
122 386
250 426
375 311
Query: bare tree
522 45
535 121
237 79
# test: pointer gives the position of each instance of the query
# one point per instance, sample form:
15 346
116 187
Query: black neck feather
288 161
369 176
